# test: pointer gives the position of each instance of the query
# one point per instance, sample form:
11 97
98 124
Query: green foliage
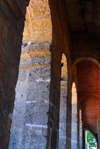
91 140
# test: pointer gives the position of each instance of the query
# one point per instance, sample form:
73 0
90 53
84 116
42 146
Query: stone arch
85 58
88 88
95 135
89 106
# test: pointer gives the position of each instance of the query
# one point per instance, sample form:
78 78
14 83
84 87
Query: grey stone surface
40 59
62 143
34 138
74 128
74 136
19 111
64 92
25 62
36 113
62 130
30 116
74 109
62 116
74 118
21 77
42 47
74 145
38 91
39 72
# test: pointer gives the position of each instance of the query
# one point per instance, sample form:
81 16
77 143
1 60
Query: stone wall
78 16
11 29
30 117
38 27
62 115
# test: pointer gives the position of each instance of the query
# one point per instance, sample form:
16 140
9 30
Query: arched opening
65 22
90 140
88 75
63 103
86 58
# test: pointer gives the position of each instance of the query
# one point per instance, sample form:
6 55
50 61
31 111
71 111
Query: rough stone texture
11 28
61 42
19 110
30 117
62 123
38 27
30 114
81 17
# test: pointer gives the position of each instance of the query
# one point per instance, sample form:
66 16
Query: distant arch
85 58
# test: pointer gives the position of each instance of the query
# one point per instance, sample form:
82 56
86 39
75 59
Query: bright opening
90 141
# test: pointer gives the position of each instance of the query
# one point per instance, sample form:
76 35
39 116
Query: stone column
54 105
19 110
62 117
61 44
9 62
29 127
74 128
11 29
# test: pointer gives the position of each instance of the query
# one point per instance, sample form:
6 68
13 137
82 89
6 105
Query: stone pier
30 116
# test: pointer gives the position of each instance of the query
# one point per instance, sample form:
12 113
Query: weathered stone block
22 74
41 59
40 37
74 136
25 62
34 137
62 130
40 73
74 109
63 115
45 24
39 8
74 126
36 113
63 102
62 143
36 92
74 145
